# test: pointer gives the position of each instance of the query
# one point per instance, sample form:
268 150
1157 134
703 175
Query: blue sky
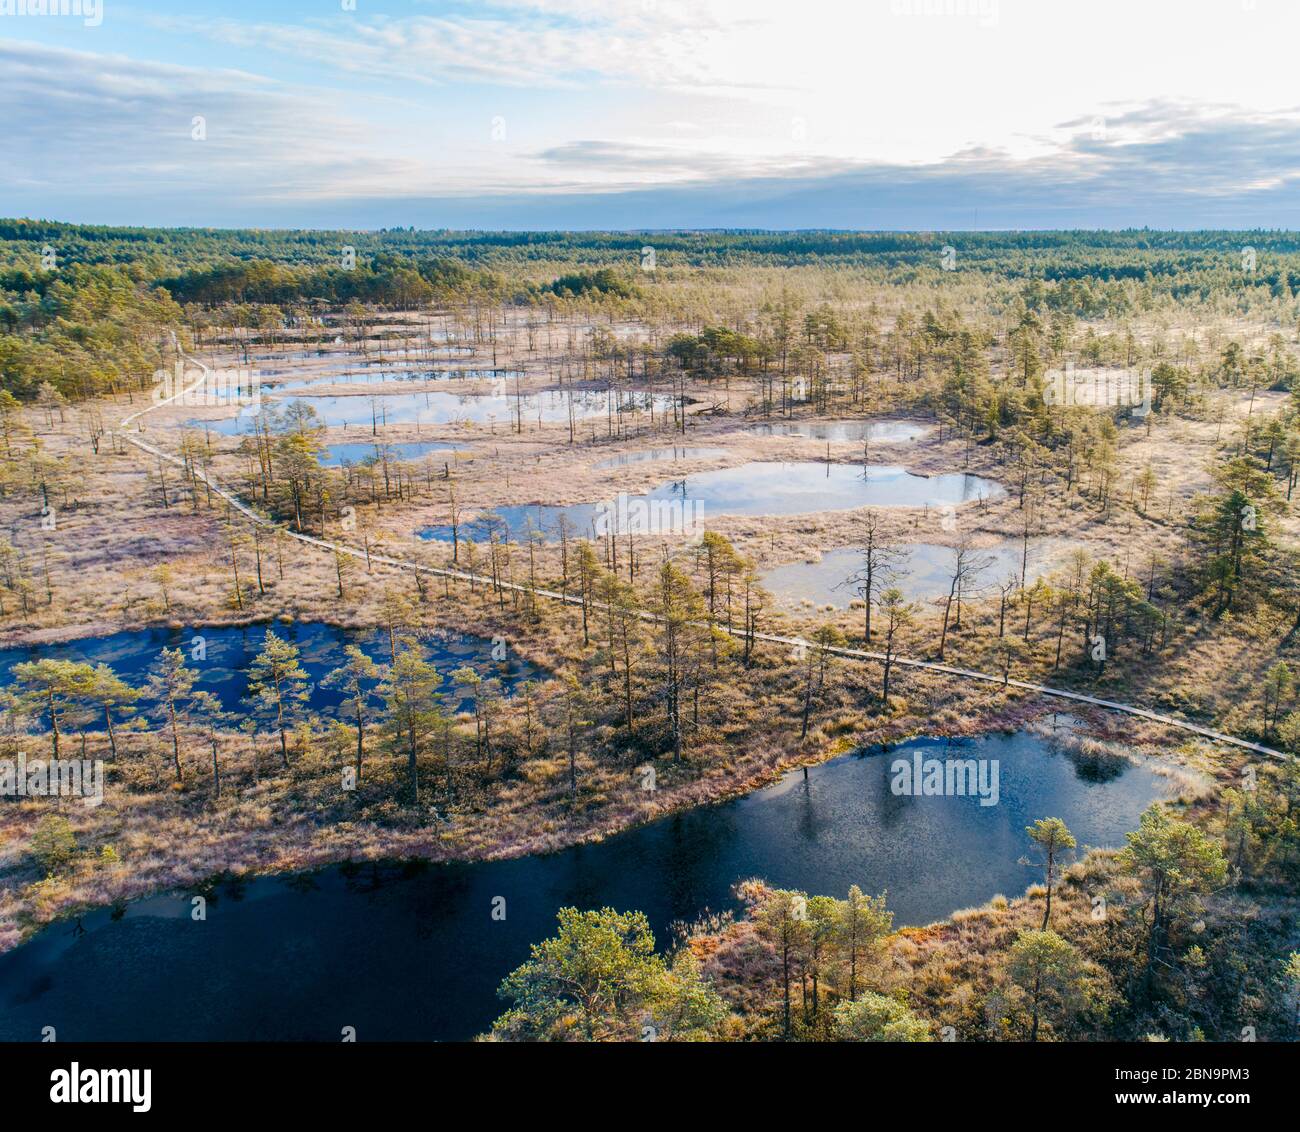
654 113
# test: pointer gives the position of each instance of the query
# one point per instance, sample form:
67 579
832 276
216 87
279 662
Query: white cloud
712 95
111 126
518 44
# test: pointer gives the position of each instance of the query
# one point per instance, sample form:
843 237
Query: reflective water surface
413 953
764 488
227 652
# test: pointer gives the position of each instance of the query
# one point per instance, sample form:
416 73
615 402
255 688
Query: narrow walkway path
772 638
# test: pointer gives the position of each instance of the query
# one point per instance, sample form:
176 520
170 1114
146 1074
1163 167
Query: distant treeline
1186 262
388 280
84 309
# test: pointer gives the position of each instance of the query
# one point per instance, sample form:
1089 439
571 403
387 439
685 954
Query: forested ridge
1185 264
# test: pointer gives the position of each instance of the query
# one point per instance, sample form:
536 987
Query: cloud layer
643 114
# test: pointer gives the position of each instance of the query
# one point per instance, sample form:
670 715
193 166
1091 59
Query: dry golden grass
112 533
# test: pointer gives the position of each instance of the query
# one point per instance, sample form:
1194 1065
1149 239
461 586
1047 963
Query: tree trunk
112 737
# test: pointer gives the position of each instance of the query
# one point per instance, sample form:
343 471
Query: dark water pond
228 652
413 953
766 488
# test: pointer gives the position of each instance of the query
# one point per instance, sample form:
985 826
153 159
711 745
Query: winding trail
772 638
